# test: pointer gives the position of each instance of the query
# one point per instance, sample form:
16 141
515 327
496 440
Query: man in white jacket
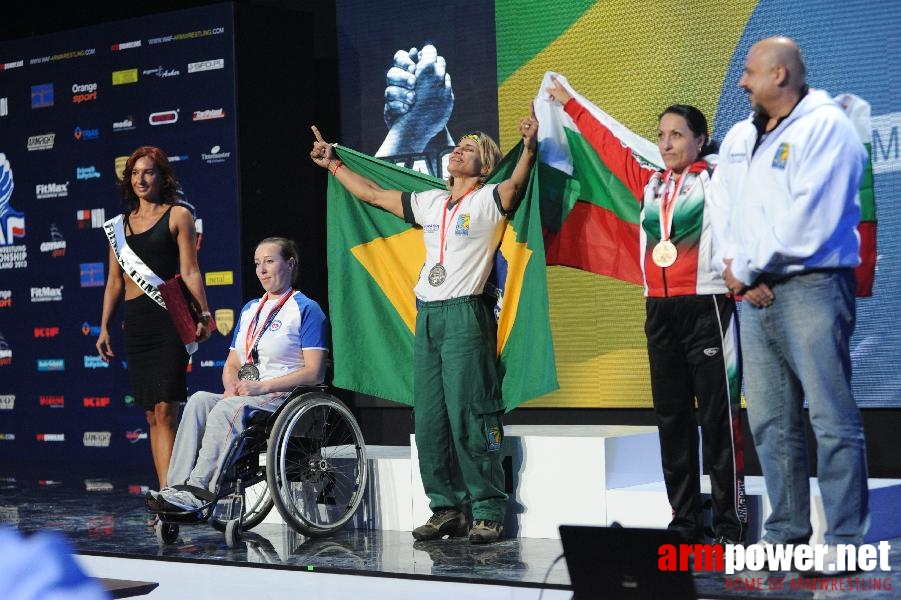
786 185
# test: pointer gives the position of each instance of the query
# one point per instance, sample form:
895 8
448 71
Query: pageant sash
136 268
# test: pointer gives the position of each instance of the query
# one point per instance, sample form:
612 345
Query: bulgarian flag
858 110
374 260
590 216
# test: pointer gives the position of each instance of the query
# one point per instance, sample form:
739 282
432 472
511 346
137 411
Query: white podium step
561 474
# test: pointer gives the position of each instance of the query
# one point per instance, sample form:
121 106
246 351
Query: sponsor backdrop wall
73 106
632 60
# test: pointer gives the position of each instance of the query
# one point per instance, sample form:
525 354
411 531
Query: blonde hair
489 153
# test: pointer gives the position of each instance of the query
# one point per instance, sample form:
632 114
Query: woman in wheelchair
280 342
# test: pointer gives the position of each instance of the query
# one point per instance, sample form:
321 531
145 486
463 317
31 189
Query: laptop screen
619 562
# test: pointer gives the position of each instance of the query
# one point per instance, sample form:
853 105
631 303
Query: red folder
183 308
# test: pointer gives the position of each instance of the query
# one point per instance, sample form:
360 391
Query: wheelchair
308 459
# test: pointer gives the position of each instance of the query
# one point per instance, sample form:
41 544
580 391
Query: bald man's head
781 51
774 75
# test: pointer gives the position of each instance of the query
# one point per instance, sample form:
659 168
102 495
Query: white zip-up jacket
792 205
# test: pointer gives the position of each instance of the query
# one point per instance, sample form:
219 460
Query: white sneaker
156 494
181 499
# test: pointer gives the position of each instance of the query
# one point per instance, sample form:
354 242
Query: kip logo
96 401
50 437
6 298
135 435
166 117
46 332
42 95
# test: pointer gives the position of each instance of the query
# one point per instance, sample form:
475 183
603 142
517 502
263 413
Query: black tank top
156 247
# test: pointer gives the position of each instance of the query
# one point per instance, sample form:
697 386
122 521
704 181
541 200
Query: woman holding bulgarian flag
691 325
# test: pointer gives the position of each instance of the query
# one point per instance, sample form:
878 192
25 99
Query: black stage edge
101 513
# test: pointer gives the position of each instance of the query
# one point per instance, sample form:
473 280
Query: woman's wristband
338 165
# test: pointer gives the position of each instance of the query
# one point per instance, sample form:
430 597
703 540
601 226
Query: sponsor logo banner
206 65
219 277
47 294
97 439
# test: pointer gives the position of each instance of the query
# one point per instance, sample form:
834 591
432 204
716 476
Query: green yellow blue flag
374 259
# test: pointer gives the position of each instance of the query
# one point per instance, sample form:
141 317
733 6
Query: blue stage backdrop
73 106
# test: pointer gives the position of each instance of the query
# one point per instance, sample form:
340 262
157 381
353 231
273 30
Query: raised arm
362 187
611 150
510 190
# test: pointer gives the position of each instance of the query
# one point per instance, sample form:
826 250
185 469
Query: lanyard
668 202
252 329
442 233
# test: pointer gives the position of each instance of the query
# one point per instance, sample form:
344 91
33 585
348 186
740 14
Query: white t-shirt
472 228
299 325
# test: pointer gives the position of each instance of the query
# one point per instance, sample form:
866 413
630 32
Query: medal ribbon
668 202
442 233
667 205
252 329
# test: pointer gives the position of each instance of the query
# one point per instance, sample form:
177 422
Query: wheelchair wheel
166 533
257 504
233 533
316 464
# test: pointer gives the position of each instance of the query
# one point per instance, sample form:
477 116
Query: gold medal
664 253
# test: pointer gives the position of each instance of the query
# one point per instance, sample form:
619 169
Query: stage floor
102 514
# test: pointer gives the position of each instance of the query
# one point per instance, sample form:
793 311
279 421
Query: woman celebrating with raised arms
456 385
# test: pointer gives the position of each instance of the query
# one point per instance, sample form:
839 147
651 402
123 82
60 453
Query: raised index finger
317 134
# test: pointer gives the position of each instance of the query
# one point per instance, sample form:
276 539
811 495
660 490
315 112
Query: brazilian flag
374 259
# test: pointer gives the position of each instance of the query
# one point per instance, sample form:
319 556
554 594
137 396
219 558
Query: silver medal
249 372
437 275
